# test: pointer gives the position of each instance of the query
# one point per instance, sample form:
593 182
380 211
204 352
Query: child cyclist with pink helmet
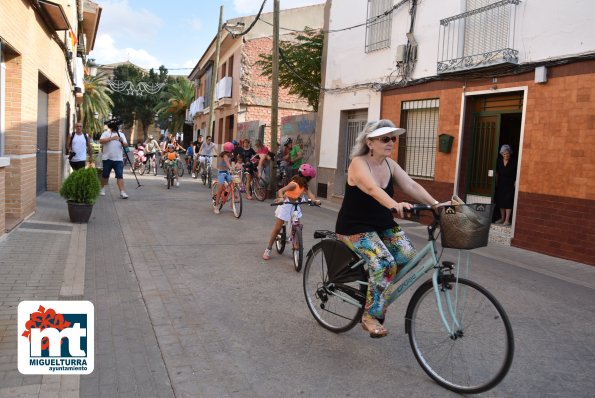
292 192
224 176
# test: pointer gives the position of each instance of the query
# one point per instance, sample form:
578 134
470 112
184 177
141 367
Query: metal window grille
378 29
356 121
484 35
417 147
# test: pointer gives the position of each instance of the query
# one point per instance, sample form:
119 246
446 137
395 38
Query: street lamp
92 67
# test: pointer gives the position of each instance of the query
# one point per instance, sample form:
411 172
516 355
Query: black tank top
360 212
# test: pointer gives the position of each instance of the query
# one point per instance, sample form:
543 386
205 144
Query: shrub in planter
81 190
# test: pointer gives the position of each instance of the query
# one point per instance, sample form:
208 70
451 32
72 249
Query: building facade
43 46
466 78
243 95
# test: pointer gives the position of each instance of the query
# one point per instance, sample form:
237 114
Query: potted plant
81 190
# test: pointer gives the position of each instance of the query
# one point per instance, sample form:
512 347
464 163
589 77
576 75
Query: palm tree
96 103
174 101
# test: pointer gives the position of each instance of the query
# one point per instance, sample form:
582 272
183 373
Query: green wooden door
483 155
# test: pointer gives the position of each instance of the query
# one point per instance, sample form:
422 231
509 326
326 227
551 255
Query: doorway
495 120
351 124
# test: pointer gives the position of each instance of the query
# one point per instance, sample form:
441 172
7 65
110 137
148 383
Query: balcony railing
478 38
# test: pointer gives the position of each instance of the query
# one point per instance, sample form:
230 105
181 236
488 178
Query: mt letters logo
56 337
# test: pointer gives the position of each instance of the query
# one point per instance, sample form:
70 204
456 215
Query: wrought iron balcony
478 38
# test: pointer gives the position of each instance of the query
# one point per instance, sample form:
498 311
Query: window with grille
378 26
417 147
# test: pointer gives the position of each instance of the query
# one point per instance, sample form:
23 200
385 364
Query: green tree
299 65
96 100
174 100
129 105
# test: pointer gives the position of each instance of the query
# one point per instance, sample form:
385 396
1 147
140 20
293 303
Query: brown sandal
371 324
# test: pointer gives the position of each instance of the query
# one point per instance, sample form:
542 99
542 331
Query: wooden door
484 151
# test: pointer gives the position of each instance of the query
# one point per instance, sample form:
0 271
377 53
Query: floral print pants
384 252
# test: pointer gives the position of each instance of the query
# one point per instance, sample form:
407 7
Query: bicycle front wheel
298 249
141 169
236 203
336 306
214 198
478 354
280 240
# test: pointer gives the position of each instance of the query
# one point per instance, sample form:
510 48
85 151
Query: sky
174 33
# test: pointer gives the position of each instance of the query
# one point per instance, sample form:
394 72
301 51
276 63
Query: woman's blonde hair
360 147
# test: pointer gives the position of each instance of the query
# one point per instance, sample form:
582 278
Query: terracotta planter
79 212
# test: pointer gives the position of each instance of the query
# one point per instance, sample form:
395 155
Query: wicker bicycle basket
237 178
465 226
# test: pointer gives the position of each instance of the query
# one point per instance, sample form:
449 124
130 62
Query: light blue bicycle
459 333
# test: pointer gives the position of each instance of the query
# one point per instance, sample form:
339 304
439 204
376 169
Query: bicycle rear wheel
236 203
336 306
479 354
180 168
298 249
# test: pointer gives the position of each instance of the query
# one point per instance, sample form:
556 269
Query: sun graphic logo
56 337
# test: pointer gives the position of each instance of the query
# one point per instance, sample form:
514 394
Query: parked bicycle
459 333
295 228
231 193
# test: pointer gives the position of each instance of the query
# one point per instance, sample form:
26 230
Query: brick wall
2 199
557 152
556 225
33 58
255 88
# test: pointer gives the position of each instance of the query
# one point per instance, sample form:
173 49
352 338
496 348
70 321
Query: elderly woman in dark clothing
506 177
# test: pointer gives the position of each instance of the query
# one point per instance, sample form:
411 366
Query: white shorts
283 212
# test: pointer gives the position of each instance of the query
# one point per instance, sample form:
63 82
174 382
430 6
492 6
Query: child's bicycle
169 174
295 227
459 333
231 192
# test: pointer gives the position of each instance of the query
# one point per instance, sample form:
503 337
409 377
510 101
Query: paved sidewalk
149 320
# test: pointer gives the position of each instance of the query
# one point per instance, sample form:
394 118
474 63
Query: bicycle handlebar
301 202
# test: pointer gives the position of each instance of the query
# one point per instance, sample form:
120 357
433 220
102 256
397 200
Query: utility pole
275 91
214 77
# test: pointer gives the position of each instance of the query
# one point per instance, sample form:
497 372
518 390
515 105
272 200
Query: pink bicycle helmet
307 171
228 147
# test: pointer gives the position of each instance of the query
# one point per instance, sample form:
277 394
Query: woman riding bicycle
224 175
365 222
292 192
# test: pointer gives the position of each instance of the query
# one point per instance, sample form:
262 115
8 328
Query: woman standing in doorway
506 178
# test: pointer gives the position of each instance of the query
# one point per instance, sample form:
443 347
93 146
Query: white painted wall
545 29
